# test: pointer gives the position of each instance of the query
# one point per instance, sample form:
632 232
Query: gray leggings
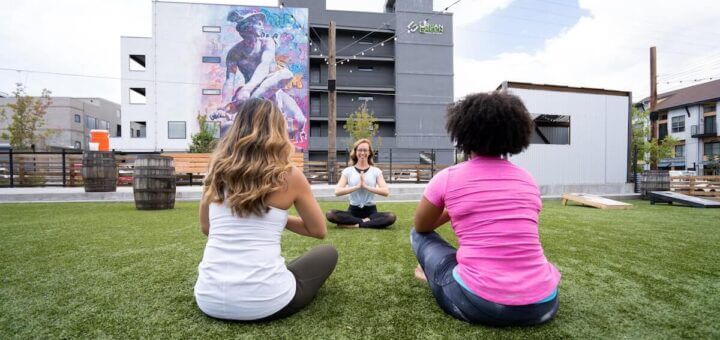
310 271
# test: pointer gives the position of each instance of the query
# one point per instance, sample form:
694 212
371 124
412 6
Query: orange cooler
102 138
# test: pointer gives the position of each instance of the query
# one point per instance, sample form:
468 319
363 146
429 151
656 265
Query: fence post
12 170
432 163
634 169
63 167
391 172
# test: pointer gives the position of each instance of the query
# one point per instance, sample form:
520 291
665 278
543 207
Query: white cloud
609 49
470 11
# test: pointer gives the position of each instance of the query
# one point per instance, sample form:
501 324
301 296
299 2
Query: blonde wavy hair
353 152
252 160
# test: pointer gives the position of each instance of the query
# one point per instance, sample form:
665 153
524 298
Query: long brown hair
252 159
353 152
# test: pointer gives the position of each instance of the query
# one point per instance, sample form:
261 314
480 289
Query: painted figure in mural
254 71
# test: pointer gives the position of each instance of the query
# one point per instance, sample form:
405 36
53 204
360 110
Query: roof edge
562 88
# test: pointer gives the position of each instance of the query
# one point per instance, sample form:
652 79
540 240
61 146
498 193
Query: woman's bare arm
381 187
312 220
428 217
205 215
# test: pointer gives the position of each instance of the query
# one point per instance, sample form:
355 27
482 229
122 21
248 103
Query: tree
362 124
203 141
27 118
648 151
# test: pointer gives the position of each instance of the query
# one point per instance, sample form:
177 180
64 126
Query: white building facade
581 142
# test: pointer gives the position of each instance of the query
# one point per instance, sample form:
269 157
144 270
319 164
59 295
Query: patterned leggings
355 215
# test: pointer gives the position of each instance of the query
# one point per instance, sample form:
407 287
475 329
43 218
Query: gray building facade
407 81
70 121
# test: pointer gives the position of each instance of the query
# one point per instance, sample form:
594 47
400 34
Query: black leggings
310 271
355 215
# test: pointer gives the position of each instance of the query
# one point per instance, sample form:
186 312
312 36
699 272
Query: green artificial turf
106 270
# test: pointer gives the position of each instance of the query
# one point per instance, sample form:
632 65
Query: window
103 125
315 75
76 118
90 123
708 108
215 60
662 131
318 129
315 105
176 130
137 129
712 149
118 131
679 150
214 127
365 68
137 95
211 92
678 124
709 124
78 145
551 129
211 29
137 62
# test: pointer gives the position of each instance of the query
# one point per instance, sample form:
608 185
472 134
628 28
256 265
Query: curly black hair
490 124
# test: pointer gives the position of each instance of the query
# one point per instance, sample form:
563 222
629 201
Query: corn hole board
671 197
594 201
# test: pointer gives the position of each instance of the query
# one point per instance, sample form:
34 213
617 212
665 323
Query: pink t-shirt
494 207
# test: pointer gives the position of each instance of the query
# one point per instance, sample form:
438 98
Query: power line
693 69
393 37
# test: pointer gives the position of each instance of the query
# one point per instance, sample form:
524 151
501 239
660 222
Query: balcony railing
672 161
703 130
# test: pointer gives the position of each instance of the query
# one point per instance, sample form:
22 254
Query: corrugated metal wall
598 149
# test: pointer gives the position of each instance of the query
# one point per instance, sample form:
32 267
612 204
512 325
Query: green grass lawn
107 270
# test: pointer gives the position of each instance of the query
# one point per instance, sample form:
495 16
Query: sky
588 43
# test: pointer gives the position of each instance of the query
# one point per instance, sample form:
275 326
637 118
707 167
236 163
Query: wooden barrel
99 171
154 182
654 180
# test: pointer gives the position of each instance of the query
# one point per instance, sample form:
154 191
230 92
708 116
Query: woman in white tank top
244 210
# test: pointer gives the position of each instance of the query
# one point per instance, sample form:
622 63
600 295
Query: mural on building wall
263 53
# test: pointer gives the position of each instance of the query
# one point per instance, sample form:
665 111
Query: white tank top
242 275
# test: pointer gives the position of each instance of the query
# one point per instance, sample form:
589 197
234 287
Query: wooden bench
194 166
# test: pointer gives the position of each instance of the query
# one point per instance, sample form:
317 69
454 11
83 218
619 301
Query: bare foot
366 219
348 226
419 274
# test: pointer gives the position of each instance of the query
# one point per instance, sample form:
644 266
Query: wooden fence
65 169
701 186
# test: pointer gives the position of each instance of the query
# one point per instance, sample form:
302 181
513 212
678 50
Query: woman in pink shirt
499 275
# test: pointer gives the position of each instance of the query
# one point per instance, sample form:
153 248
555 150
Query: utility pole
653 101
332 107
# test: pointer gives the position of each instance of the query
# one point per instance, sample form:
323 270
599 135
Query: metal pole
12 170
391 172
63 167
634 169
332 105
432 163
